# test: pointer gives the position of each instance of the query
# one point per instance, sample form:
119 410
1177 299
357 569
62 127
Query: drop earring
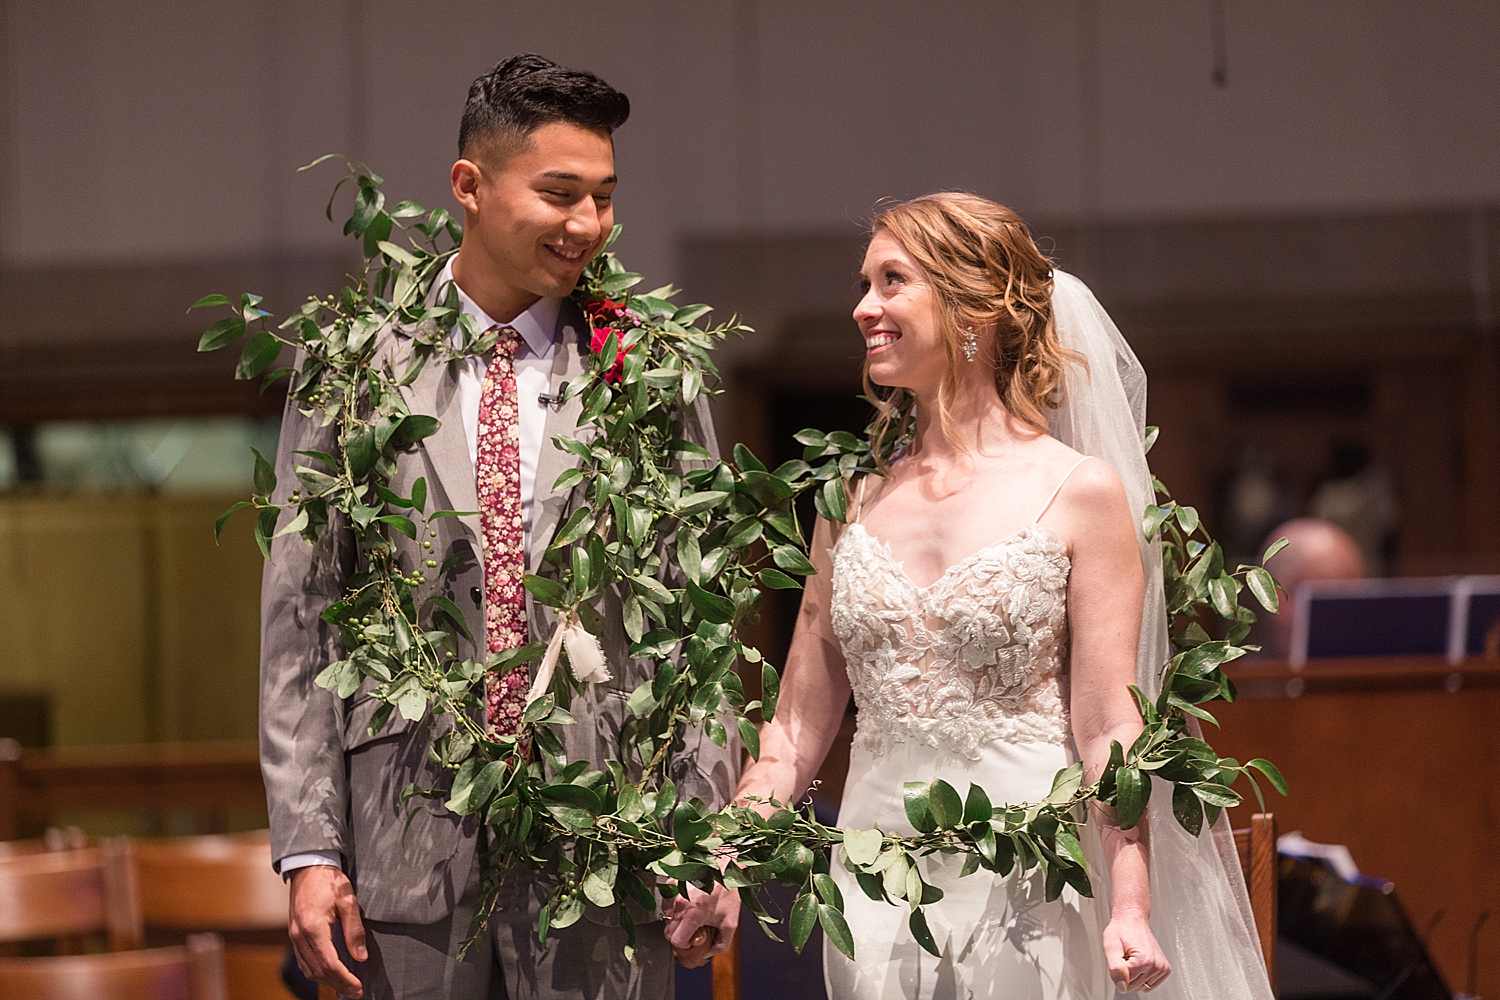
970 344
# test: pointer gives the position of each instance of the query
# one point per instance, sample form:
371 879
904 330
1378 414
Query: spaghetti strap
859 499
1055 492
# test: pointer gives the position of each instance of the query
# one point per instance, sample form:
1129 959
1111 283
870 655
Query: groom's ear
465 178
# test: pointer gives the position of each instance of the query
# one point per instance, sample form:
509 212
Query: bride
985 603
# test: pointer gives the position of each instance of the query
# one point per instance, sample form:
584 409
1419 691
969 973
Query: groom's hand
321 897
702 925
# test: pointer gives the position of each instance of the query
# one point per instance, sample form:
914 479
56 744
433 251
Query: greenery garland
688 553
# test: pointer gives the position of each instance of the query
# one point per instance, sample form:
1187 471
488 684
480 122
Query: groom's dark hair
525 92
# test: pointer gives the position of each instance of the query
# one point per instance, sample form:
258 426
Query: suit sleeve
703 768
301 724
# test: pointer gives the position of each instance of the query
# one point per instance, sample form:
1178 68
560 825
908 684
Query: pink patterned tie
498 473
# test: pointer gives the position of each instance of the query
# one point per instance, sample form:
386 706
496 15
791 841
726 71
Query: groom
383 895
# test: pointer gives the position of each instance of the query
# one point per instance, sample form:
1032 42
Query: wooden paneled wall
128 617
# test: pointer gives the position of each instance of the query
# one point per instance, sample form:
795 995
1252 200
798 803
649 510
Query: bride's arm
814 693
1106 587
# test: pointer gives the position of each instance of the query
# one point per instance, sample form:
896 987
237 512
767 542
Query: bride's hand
1136 962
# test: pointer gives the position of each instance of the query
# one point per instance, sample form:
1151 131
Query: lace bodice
976 657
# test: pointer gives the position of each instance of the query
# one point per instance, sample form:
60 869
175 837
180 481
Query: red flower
606 317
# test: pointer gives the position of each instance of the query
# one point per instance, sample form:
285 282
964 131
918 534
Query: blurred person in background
1254 499
1315 550
1357 495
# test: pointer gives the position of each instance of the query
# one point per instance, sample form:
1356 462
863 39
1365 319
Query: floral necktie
497 470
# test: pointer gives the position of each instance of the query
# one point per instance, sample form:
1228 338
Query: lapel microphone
550 400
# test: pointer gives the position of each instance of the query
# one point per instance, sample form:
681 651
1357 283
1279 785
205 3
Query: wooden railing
207 779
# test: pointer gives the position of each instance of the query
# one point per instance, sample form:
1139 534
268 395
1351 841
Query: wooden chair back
191 972
219 883
69 895
726 972
1256 845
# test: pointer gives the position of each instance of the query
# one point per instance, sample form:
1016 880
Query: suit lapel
436 392
567 364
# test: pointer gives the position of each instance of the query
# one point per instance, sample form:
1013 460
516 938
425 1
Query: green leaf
1217 795
360 452
260 352
977 806
413 429
836 929
569 479
919 930
750 737
1274 548
401 523
574 806
265 475
680 448
791 559
265 529
894 877
419 494
226 331
770 690
693 503
569 911
454 615
1221 593
1133 790
804 917
209 300
777 580
1151 435
710 607
224 518
548 592
946 808
295 525
1187 517
506 660
745 459
828 891
1263 586
861 847
578 524
1065 784
835 501
1271 771
915 797
1187 808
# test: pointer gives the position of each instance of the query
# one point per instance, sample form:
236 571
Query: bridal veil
1200 911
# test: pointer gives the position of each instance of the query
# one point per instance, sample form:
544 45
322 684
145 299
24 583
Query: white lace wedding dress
963 680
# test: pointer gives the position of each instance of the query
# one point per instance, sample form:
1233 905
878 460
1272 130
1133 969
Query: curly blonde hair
987 272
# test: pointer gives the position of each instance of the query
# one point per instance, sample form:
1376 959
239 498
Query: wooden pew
1395 758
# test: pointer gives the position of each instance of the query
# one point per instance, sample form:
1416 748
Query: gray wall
169 132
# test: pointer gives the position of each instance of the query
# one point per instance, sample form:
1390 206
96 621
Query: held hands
1136 962
702 924
321 897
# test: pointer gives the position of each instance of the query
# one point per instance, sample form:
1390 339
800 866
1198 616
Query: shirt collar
537 325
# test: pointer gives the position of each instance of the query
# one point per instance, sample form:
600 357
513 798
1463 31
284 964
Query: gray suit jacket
333 787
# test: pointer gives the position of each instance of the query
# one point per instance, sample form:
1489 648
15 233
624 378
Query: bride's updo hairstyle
990 277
